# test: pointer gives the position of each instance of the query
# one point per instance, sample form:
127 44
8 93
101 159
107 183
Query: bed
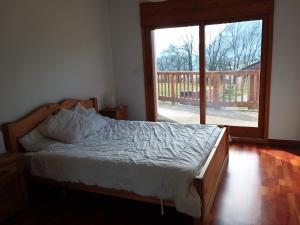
205 182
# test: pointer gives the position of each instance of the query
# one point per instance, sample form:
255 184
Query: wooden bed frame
206 183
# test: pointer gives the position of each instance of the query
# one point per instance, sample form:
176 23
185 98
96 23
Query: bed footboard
210 177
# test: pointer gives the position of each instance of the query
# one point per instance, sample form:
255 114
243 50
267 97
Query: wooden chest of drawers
13 191
118 113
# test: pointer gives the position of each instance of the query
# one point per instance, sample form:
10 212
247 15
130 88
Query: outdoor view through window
232 65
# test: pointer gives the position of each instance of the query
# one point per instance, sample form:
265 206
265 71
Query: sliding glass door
209 63
232 73
223 59
177 74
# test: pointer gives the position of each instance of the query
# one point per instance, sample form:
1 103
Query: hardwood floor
261 187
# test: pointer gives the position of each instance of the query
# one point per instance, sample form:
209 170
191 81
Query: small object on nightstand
109 101
13 189
118 113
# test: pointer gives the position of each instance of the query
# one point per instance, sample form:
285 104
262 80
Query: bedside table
13 189
118 113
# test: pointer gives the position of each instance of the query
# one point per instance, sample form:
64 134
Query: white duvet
149 159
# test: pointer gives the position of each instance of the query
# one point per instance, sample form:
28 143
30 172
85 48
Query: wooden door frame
155 15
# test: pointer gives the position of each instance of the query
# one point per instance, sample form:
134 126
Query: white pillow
34 141
66 126
96 120
83 111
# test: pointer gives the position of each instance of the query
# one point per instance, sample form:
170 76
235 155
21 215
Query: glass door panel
177 76
232 73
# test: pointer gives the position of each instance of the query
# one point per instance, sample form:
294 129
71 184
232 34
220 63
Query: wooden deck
233 116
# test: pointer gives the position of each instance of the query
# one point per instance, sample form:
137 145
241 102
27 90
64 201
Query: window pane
232 62
177 74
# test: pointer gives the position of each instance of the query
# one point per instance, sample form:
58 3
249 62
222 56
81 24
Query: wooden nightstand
118 113
13 189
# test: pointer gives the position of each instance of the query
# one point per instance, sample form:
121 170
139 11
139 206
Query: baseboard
271 142
248 140
279 142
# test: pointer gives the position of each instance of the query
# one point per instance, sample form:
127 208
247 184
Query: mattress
150 159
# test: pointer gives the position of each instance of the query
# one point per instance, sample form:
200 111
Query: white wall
51 50
127 56
285 87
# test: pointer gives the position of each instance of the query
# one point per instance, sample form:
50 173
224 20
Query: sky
167 36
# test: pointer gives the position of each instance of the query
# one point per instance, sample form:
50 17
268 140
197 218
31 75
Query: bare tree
244 40
238 45
179 57
216 53
188 48
171 59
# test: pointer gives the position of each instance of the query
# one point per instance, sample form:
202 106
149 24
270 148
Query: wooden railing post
215 78
251 88
242 88
172 89
158 84
209 83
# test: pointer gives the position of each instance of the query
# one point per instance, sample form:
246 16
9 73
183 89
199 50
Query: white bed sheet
149 159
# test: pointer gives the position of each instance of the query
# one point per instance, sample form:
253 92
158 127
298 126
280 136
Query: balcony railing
223 88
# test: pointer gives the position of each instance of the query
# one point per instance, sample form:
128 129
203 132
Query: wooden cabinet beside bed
13 191
118 113
206 182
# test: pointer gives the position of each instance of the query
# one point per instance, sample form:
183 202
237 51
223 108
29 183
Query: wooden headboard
15 130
